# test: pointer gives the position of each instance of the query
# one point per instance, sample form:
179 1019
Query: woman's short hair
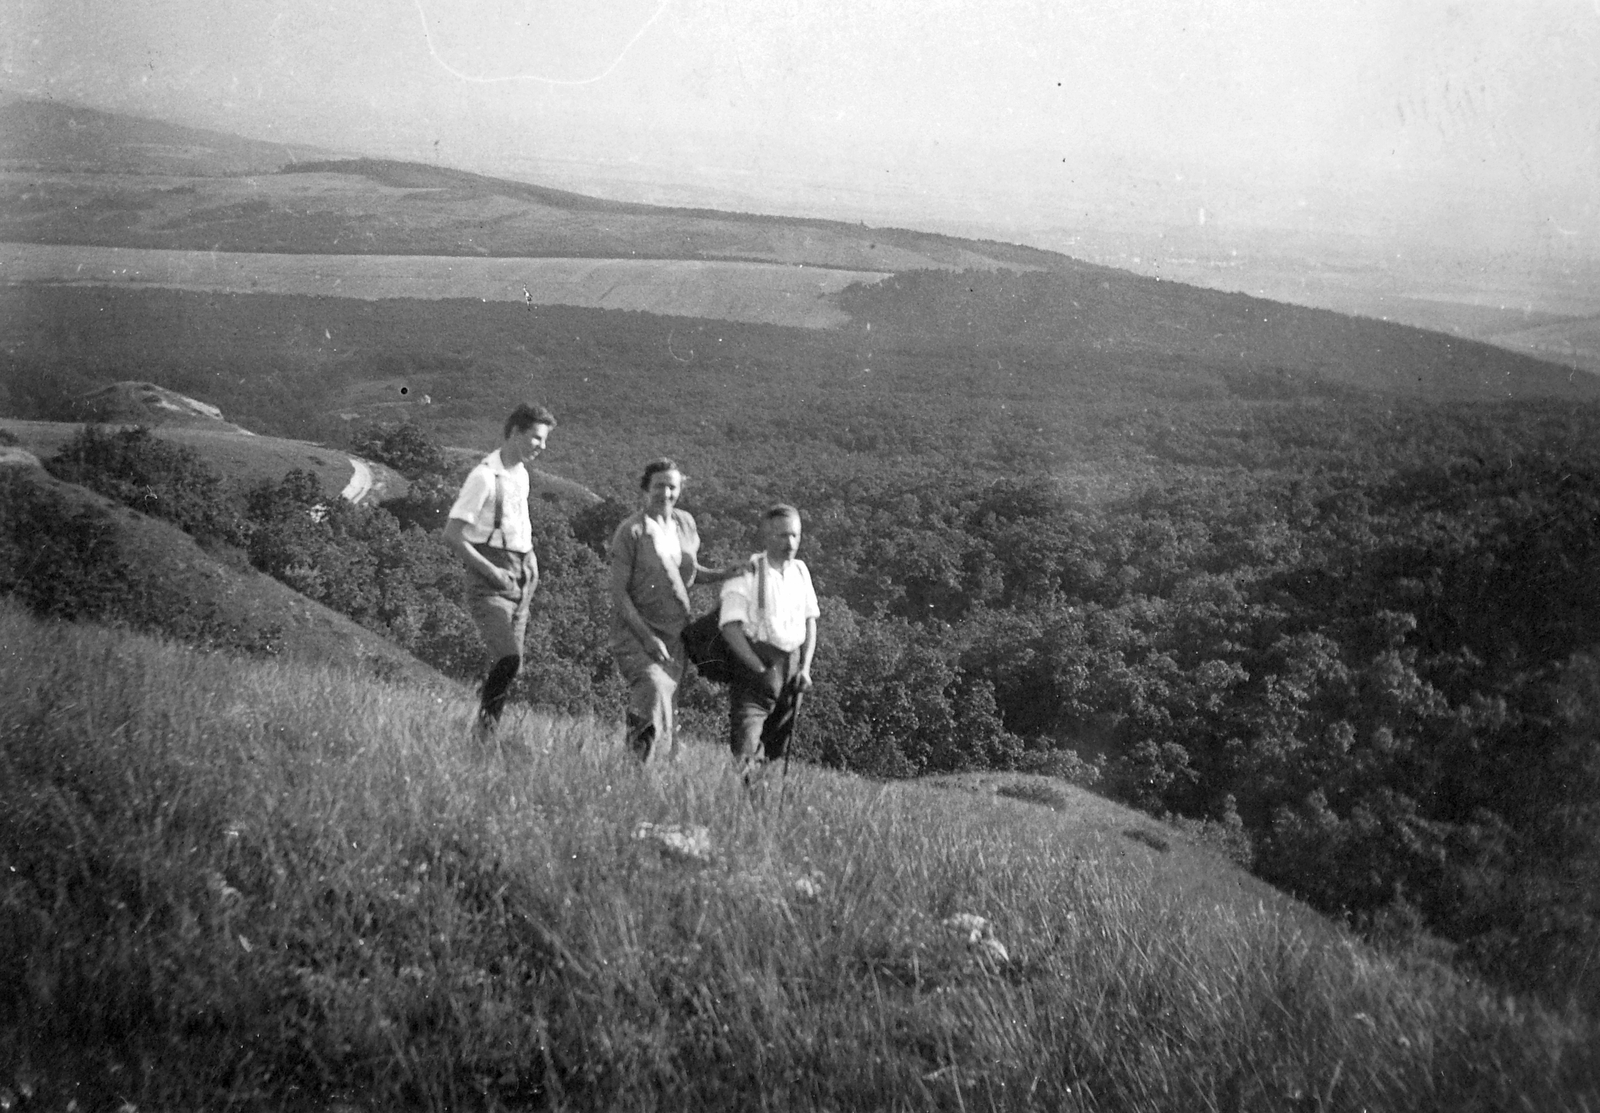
526 416
664 463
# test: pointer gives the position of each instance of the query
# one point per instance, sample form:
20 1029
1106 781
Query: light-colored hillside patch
245 458
762 293
149 404
842 248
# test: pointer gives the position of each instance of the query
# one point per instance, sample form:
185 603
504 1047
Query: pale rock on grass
685 842
980 935
808 887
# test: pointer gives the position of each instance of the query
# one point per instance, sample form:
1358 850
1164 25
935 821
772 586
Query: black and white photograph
822 556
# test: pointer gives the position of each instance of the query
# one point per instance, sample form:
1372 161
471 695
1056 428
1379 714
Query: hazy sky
1474 125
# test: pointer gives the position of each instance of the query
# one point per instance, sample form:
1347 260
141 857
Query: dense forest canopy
1325 587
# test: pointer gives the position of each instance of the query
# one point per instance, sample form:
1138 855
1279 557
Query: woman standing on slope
654 560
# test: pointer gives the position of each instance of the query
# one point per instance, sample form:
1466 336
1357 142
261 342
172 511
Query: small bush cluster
64 561
403 446
153 476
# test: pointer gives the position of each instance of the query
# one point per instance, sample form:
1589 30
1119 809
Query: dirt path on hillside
11 456
360 483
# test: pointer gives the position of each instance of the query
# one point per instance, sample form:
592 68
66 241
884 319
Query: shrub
404 447
59 561
65 562
152 476
397 581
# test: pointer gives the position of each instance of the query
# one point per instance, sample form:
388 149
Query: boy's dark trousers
762 706
502 620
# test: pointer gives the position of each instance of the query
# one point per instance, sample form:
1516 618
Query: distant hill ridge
50 135
278 214
414 175
946 295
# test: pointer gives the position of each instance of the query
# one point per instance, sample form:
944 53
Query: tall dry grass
236 884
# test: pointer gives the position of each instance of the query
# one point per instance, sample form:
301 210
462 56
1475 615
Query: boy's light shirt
475 505
790 600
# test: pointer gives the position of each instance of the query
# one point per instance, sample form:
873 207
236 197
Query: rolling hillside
275 886
1317 580
49 137
205 595
75 176
230 450
980 324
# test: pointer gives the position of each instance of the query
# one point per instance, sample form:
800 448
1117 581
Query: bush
152 476
397 581
60 562
403 447
65 562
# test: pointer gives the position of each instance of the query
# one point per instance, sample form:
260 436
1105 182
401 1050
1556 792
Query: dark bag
704 645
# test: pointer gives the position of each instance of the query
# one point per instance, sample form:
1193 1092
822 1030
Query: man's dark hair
780 510
527 416
665 463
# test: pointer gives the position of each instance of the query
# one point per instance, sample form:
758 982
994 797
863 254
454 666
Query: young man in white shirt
769 620
490 531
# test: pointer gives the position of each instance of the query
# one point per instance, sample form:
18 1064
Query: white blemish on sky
488 79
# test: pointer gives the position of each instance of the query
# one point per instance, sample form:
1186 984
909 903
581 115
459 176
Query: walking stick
794 732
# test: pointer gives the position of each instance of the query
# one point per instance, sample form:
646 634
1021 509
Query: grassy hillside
363 208
48 136
243 458
263 885
75 176
116 563
1326 583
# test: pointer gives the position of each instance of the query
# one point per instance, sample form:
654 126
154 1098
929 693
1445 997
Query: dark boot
496 689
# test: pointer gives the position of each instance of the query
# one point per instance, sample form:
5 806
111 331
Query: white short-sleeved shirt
789 601
664 536
475 505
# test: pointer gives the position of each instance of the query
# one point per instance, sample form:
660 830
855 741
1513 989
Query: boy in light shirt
489 530
769 619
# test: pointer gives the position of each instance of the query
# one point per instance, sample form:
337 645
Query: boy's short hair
780 510
526 416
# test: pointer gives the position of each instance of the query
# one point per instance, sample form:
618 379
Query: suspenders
761 593
759 626
497 527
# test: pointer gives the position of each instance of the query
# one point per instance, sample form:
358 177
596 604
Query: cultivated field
1575 343
762 293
